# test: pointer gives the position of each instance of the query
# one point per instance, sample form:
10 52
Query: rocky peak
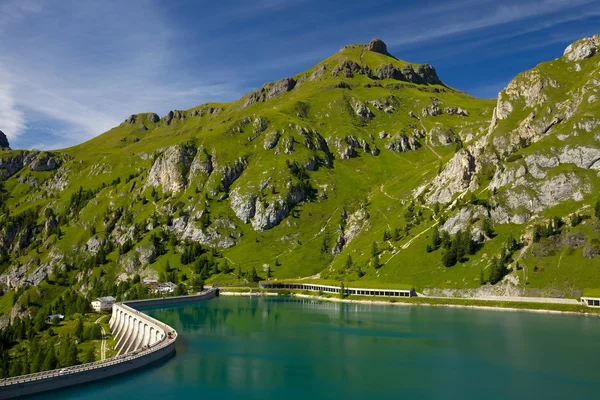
3 141
583 48
378 46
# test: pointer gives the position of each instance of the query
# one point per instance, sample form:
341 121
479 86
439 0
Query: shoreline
449 304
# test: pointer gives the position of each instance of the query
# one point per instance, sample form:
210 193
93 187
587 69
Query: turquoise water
252 348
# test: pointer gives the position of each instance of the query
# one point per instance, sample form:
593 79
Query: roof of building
167 285
106 299
60 316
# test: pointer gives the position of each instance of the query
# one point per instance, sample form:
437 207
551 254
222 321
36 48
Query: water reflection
261 348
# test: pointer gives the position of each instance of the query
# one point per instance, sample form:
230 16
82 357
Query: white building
103 303
167 287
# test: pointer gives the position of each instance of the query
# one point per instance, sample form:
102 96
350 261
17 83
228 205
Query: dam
141 341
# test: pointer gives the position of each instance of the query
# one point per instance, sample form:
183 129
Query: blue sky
72 69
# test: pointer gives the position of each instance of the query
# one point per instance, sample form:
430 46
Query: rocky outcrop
170 169
348 68
538 196
207 110
244 206
441 136
347 145
431 110
270 90
271 140
202 166
265 213
220 234
151 117
582 49
94 244
174 116
424 74
402 143
464 218
352 225
363 111
456 111
455 178
528 87
34 160
230 173
378 46
4 141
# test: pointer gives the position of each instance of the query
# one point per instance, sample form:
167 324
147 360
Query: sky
72 69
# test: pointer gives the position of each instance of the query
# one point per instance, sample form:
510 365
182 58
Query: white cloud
12 119
92 67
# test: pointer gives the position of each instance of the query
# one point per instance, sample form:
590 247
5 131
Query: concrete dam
141 341
134 330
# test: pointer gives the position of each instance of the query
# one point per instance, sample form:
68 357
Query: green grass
379 186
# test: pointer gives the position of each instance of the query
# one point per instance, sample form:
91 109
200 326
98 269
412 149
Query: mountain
363 168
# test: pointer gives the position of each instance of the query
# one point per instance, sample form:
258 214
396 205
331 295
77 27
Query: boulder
378 46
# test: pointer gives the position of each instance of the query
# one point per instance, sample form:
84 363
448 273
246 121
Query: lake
284 348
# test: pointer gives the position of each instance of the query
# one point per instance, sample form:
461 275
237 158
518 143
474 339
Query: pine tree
488 227
50 362
449 257
79 329
89 356
374 249
253 275
72 354
436 240
349 262
597 209
498 270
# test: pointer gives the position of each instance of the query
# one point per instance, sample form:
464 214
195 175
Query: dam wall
141 341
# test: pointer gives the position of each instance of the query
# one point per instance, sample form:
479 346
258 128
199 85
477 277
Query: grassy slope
381 185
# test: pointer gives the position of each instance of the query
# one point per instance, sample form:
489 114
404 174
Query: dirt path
103 346
426 141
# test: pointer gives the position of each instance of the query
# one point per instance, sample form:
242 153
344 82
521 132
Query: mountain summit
362 168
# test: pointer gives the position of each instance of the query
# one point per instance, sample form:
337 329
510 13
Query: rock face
173 116
582 49
455 178
348 68
401 143
171 168
347 145
378 46
354 224
266 213
424 74
270 90
4 141
34 160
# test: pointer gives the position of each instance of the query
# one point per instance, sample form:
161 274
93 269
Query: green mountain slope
350 170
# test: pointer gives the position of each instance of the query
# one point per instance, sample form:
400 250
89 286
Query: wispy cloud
70 70
11 116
